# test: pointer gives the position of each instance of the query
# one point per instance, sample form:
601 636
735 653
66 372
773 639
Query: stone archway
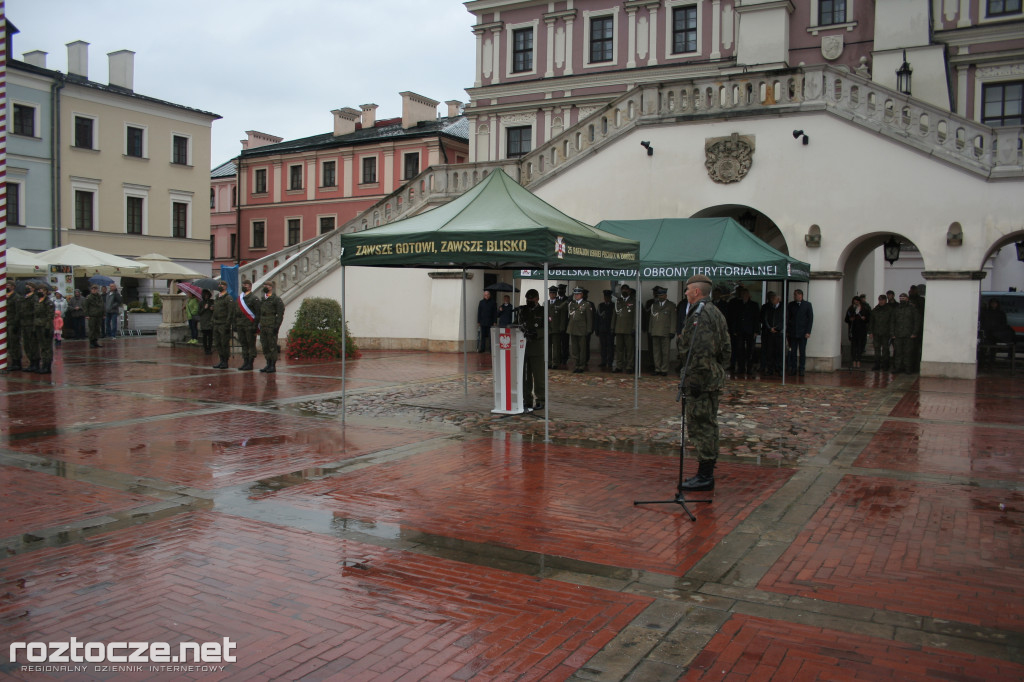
759 224
1003 270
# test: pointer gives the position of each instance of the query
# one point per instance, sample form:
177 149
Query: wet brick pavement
864 526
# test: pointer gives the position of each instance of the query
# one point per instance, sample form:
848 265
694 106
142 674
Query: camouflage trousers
903 354
13 346
268 341
222 339
702 425
247 340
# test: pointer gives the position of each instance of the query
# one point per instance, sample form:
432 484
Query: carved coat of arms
831 47
728 158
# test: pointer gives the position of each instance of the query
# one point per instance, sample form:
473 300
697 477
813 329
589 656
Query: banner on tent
660 272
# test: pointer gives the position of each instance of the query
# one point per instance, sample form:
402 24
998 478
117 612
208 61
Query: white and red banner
508 355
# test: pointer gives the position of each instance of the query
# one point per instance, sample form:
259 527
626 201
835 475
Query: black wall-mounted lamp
647 145
1020 250
892 249
903 75
797 134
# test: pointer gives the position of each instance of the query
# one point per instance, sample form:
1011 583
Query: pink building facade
292 191
223 215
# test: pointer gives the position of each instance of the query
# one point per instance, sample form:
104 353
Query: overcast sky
276 67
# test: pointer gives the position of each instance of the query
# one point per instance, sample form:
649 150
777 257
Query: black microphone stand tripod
680 498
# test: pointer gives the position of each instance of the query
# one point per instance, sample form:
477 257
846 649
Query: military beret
563 287
577 290
698 278
658 291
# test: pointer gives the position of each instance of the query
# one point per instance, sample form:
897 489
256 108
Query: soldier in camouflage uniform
271 317
223 320
245 327
906 328
661 328
13 329
880 328
530 318
624 326
580 316
94 310
27 319
706 351
42 323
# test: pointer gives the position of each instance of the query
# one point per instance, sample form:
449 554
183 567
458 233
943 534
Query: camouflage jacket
906 321
880 324
710 350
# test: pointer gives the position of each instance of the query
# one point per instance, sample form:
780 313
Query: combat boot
32 366
271 367
704 480
44 367
246 365
223 364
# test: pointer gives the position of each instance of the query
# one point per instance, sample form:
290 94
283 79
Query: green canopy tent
498 224
678 248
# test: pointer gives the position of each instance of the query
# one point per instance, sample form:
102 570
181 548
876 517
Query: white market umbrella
162 267
88 262
21 263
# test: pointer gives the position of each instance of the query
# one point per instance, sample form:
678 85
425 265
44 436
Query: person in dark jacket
486 316
880 328
505 311
744 322
800 319
605 333
13 328
206 321
771 333
857 319
94 310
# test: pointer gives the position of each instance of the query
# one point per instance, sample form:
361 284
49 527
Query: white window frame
980 81
321 216
35 119
145 140
815 27
86 185
179 197
323 163
95 130
19 189
140 192
503 142
188 149
302 177
266 188
510 30
419 163
252 234
377 166
597 14
984 18
670 6
287 237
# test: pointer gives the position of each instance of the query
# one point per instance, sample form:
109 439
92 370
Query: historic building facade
132 175
291 191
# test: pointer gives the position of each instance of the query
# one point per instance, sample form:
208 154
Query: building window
179 150
24 120
213 251
1003 103
84 132
179 220
411 166
329 172
234 197
831 12
234 245
684 29
369 169
83 210
134 138
133 215
517 141
326 224
259 181
601 39
259 234
522 50
213 198
1001 8
14 203
294 231
294 177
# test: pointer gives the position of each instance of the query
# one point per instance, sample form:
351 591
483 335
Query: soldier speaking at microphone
705 349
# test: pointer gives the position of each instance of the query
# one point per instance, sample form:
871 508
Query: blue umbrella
101 280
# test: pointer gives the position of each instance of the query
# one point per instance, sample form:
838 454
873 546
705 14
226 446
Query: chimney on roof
369 116
78 58
122 69
454 108
345 120
258 139
35 58
416 108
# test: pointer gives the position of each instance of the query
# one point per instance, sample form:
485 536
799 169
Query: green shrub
318 330
158 303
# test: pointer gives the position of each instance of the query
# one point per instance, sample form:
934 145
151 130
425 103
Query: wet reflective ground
863 526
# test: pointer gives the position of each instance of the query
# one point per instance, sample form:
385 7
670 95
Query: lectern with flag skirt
508 356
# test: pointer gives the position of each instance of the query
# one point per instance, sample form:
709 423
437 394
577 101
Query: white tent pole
547 396
785 331
344 350
636 343
465 333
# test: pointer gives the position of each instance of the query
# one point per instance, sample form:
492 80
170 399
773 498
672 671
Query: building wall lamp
892 249
903 75
647 145
798 134
955 235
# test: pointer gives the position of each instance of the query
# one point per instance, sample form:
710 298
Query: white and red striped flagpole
3 188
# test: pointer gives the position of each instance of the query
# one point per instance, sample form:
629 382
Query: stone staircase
985 151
